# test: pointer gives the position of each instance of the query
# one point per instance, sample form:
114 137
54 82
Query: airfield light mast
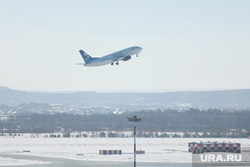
134 119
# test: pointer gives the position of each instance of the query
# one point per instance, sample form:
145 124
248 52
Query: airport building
199 148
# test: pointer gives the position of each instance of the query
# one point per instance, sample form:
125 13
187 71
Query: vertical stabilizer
87 58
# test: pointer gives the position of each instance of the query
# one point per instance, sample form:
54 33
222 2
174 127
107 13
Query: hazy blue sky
187 44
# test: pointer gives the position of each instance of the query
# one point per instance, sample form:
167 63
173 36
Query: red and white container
110 152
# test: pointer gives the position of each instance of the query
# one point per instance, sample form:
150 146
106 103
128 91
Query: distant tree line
212 121
141 134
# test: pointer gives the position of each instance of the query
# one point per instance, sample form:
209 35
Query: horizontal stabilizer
79 63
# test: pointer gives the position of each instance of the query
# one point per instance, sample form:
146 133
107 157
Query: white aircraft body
122 55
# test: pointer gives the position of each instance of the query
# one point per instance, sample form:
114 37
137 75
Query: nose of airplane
140 48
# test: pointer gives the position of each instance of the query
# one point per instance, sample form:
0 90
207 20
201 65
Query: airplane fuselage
122 55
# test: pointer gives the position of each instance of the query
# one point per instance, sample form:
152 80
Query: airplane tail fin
87 58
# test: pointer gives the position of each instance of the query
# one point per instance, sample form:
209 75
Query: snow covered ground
11 161
157 149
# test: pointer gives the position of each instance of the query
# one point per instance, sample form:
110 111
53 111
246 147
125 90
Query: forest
192 120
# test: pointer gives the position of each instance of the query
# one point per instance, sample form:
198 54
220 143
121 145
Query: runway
62 162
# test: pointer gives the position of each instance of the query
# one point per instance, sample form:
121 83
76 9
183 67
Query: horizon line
129 91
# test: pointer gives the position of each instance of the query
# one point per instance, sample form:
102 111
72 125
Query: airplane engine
126 58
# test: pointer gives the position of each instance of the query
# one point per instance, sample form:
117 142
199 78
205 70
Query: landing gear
117 63
136 55
112 63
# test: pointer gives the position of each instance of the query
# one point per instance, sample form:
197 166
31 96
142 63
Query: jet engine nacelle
126 58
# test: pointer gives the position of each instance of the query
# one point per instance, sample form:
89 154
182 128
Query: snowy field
169 150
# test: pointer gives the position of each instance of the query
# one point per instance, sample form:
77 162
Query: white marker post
134 119
134 146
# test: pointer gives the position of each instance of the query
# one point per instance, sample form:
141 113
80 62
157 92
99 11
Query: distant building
199 148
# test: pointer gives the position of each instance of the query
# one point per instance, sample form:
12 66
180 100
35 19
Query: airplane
134 119
122 55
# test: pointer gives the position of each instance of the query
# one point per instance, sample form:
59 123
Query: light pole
134 119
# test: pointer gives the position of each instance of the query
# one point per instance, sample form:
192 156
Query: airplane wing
123 58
